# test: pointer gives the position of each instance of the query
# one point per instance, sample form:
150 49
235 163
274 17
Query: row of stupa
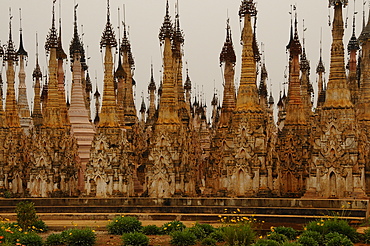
172 149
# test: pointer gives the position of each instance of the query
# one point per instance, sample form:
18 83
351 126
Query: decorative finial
305 65
295 46
166 30
320 67
37 71
108 38
167 9
353 43
248 7
336 2
76 45
21 51
52 39
187 85
10 54
228 53
151 86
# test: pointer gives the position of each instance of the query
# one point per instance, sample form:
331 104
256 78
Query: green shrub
315 235
183 238
333 225
202 230
266 242
54 240
172 226
366 236
289 232
208 242
124 224
290 244
208 229
79 237
9 234
307 241
239 234
30 239
135 239
280 238
26 214
217 235
39 226
198 232
151 230
336 239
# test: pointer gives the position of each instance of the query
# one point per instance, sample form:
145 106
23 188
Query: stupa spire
11 108
352 47
61 56
168 105
128 64
151 89
24 111
247 99
320 70
306 86
108 115
228 59
337 94
52 110
187 87
37 76
295 113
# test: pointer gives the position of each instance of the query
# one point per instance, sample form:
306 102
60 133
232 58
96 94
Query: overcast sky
203 23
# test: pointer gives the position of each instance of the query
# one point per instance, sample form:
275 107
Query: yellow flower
219 216
238 210
349 203
70 233
263 221
305 228
234 212
178 224
116 220
165 228
122 216
318 224
260 237
93 230
18 240
20 229
25 232
41 230
169 224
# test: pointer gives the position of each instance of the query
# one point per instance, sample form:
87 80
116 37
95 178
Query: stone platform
76 211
